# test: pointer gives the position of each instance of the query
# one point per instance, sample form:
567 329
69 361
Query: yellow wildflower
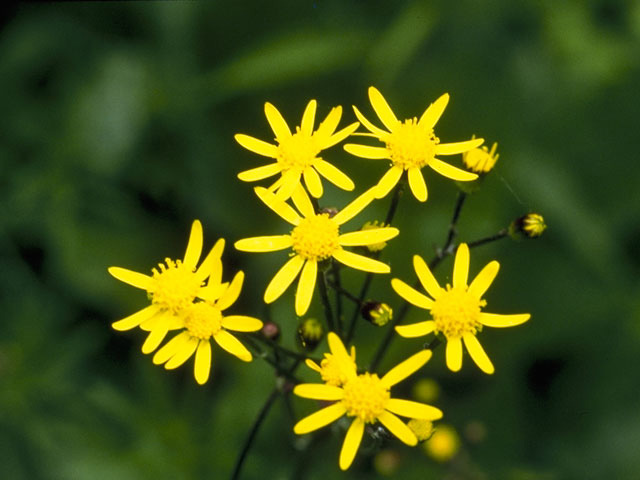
481 160
443 444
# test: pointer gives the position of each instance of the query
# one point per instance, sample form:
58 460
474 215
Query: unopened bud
271 330
423 429
377 313
480 160
310 332
531 226
376 247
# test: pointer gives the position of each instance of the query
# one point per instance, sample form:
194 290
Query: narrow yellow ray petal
426 278
449 171
163 320
232 345
454 354
367 151
276 185
398 428
330 123
355 207
302 201
232 293
312 181
319 419
155 338
410 409
277 123
340 135
388 181
257 146
306 286
360 262
333 174
417 184
458 147
478 354
277 205
382 109
411 295
202 365
433 113
212 291
308 118
269 243
405 368
338 349
290 180
211 266
318 391
283 278
135 279
260 173
183 354
368 237
312 365
484 279
419 329
378 132
461 266
351 443
135 319
501 321
194 246
172 347
241 323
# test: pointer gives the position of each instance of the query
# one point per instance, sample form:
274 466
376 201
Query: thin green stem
483 241
339 291
326 304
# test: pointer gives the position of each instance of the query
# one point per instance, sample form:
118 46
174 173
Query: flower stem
501 234
328 313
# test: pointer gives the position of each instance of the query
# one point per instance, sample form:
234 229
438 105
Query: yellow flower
410 145
480 159
314 238
296 154
338 366
366 398
443 444
172 287
530 225
456 311
203 321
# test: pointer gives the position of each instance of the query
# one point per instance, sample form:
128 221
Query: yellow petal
360 262
398 428
312 365
268 243
154 339
257 146
458 147
172 347
340 136
355 207
183 354
283 278
388 181
367 151
338 349
290 180
330 123
333 174
277 205
433 113
232 345
306 286
382 109
202 365
194 246
135 319
501 321
411 295
483 280
232 293
461 266
163 320
454 354
211 266
302 201
478 354
308 118
212 291
406 368
312 181
417 185
135 279
378 132
351 443
318 391
260 173
368 237
241 323
419 329
319 419
449 171
407 408
426 278
277 123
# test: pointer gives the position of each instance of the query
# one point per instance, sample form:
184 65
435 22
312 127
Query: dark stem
501 234
335 270
346 293
328 313
454 220
278 348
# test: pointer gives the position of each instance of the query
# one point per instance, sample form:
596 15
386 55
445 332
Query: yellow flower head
456 310
315 237
310 332
296 154
337 367
531 226
172 287
367 399
410 145
443 444
480 159
422 428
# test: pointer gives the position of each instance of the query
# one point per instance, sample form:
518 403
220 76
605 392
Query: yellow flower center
365 397
456 312
335 372
297 151
316 238
411 145
175 286
203 320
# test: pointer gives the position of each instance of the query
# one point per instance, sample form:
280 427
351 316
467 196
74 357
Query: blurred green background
118 132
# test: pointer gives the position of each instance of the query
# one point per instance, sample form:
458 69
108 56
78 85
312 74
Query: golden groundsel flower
480 159
314 238
410 145
457 310
366 398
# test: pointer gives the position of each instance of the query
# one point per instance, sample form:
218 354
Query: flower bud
423 429
376 247
480 160
310 332
271 330
531 226
376 312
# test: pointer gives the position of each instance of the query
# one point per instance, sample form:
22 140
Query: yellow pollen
365 397
334 372
316 238
297 151
174 286
203 320
456 312
411 145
